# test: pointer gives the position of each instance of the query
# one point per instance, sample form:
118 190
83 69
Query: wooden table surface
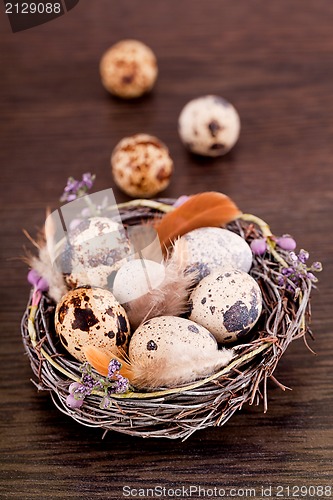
274 62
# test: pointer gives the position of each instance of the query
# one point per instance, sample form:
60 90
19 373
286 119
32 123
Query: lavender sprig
75 188
298 269
113 383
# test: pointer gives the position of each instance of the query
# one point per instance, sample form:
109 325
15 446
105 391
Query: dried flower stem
267 233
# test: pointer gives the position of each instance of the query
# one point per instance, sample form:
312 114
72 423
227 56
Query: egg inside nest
91 317
227 303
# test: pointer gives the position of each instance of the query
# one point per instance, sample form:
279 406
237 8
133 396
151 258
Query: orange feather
99 360
208 209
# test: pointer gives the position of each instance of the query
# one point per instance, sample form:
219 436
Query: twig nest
141 165
128 69
210 248
91 317
209 126
227 303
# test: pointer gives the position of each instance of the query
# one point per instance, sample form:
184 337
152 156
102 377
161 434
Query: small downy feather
208 209
43 265
178 370
170 372
171 297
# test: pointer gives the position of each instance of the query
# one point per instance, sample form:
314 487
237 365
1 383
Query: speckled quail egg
128 69
228 303
91 316
135 278
211 248
96 248
209 125
141 165
169 351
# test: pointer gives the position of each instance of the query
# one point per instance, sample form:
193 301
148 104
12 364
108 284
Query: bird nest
180 411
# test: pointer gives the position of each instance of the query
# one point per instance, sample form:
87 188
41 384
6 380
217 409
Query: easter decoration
209 126
128 69
141 165
158 318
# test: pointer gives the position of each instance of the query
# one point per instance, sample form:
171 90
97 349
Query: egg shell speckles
228 304
91 316
97 241
141 165
209 125
166 335
128 69
212 248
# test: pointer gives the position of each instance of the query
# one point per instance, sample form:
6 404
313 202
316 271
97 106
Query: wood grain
273 61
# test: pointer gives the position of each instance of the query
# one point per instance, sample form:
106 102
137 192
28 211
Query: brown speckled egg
128 69
91 316
227 303
141 165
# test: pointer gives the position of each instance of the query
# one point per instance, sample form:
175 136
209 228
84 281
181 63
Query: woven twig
177 413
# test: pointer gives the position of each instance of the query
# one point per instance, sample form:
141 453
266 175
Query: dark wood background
274 62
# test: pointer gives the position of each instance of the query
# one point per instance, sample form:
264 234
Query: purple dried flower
42 285
88 180
37 281
114 366
298 270
75 189
73 402
105 403
303 256
122 385
312 277
33 277
88 382
74 386
286 242
293 257
258 246
317 267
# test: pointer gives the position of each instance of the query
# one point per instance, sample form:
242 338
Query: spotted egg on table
227 303
209 125
90 316
210 248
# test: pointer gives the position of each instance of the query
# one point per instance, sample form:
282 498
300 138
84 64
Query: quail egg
128 69
97 241
135 278
227 303
91 316
209 125
141 165
169 351
211 248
